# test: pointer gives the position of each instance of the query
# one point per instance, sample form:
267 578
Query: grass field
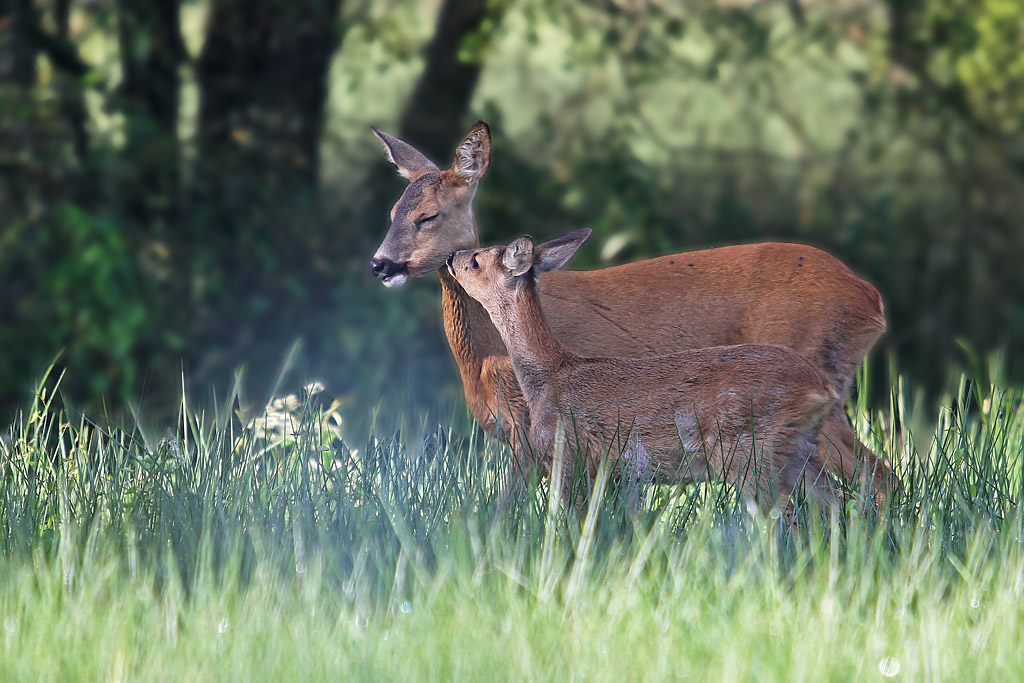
275 551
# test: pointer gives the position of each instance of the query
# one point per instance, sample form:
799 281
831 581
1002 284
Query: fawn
748 413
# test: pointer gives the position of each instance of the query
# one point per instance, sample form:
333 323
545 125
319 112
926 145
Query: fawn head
434 216
495 275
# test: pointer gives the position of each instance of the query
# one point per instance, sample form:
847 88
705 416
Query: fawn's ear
553 255
409 161
473 155
518 256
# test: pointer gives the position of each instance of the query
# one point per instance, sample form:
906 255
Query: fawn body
770 293
749 413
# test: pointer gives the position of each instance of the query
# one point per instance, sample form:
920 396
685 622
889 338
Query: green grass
276 551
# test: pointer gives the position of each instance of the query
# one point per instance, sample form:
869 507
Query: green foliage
272 547
82 296
887 133
980 48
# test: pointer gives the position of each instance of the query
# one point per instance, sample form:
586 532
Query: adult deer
769 293
750 414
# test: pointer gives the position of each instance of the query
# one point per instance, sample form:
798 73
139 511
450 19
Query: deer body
771 293
749 413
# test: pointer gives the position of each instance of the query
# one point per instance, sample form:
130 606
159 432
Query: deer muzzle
391 274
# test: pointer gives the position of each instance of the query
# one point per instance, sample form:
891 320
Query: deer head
434 216
493 275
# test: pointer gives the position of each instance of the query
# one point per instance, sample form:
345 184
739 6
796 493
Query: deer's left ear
473 155
553 255
518 256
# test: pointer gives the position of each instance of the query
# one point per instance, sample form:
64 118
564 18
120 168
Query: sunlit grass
269 548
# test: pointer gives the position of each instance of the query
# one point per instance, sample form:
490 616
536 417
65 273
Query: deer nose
385 267
380 266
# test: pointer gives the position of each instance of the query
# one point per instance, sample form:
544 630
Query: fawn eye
473 264
425 219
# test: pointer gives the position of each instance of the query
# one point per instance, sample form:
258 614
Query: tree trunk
151 55
433 117
72 97
17 51
263 84
262 81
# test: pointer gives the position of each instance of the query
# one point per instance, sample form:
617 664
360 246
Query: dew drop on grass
975 602
10 624
300 567
888 666
222 627
826 606
406 606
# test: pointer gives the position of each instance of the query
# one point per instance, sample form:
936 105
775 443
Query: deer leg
851 460
800 466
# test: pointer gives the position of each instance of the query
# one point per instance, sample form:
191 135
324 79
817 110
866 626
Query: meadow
231 547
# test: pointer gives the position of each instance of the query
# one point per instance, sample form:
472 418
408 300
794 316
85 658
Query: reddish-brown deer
750 413
770 293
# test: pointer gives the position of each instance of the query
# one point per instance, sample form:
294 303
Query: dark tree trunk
905 46
17 50
433 117
72 99
263 84
151 55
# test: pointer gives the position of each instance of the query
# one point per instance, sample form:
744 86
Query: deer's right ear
409 161
473 155
553 255
518 256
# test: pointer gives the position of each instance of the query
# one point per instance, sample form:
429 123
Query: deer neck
471 335
535 352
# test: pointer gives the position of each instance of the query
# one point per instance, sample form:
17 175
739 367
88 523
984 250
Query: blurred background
189 187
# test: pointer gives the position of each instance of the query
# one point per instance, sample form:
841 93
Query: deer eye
473 264
425 219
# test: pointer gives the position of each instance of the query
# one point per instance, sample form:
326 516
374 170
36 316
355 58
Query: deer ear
473 155
553 255
518 256
409 161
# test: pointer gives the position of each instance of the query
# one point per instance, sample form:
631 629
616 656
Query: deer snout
391 273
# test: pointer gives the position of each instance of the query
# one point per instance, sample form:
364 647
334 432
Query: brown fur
768 293
750 414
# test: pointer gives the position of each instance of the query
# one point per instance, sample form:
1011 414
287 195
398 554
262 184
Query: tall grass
228 548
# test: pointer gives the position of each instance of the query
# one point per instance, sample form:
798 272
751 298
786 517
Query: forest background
188 187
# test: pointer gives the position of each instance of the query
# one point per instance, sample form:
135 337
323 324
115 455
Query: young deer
749 413
770 293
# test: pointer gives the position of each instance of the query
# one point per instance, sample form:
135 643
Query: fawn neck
535 351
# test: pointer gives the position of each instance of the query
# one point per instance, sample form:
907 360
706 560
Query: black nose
449 261
385 268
